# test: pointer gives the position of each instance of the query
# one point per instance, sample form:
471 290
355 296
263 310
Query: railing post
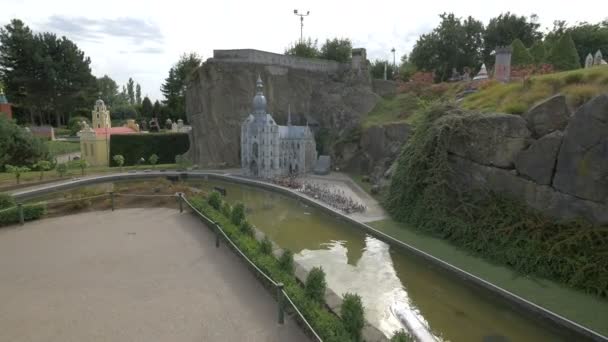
21 217
280 301
180 199
112 199
217 234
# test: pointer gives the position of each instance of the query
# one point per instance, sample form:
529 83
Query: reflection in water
391 282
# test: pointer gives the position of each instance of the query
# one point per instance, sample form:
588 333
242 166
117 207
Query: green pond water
392 282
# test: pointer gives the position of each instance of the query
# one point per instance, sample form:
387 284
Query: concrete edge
518 301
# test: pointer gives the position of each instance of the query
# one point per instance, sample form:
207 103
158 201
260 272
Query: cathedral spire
259 101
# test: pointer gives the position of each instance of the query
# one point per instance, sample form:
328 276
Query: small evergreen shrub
315 285
238 214
215 200
352 315
226 209
520 55
266 246
286 261
245 228
402 336
563 55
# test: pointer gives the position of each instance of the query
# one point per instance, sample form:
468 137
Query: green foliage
574 77
246 228
147 108
18 146
119 160
153 159
30 212
215 200
495 227
42 165
174 88
587 37
353 316
286 261
82 164
75 124
563 55
138 100
377 69
131 91
400 108
521 55
57 147
507 27
306 48
266 246
315 285
238 214
134 146
6 200
182 162
226 209
402 336
329 327
16 170
538 52
338 50
61 169
108 91
515 108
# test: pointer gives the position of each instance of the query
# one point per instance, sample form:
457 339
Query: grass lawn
399 108
582 308
8 179
57 147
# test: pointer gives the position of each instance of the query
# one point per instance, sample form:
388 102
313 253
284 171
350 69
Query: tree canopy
174 88
306 48
18 146
563 55
337 50
587 38
520 55
505 28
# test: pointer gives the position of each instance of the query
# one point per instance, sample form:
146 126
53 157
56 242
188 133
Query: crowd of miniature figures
333 197
291 182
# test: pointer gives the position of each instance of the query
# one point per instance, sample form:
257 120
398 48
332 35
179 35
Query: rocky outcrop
538 161
385 88
582 164
491 139
219 95
548 116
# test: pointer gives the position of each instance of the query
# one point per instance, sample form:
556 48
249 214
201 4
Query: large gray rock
548 116
467 175
323 165
582 163
490 139
538 161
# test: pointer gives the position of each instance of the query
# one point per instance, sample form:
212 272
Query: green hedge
329 327
30 212
135 146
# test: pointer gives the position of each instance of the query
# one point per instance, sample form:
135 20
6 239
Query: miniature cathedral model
269 150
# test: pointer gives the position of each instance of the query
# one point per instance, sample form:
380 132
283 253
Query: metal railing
282 296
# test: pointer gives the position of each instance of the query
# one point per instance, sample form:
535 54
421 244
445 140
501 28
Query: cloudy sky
142 39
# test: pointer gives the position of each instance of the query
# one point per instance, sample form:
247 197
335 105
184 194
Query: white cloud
142 39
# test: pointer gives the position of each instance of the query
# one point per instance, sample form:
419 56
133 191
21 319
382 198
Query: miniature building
482 74
95 141
269 150
502 65
5 107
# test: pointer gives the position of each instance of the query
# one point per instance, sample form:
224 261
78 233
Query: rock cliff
219 95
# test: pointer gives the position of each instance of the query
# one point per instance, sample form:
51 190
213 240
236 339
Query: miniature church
269 150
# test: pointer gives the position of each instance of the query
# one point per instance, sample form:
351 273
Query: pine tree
563 55
520 55
131 91
538 52
146 107
138 95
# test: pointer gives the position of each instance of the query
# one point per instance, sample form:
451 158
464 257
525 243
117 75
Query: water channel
391 281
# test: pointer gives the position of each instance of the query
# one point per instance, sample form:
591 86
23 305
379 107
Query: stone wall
549 159
269 58
385 88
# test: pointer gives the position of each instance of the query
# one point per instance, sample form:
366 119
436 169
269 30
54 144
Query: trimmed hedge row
133 147
30 212
329 327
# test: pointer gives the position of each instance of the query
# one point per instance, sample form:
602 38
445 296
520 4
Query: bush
402 336
133 146
215 200
246 228
30 212
75 124
563 55
6 201
266 246
226 209
315 285
61 169
119 160
538 52
18 146
521 55
352 315
286 261
238 214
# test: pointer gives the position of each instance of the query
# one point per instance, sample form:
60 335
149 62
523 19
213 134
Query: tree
16 170
238 214
18 146
156 109
42 165
406 69
588 38
563 55
82 164
538 52
61 169
146 108
337 50
507 27
352 315
520 55
314 286
75 124
174 88
119 160
306 48
108 90
138 94
377 69
153 160
131 91
215 200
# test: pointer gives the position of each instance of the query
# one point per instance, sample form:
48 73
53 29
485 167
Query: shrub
16 170
238 214
18 146
153 160
266 246
42 165
286 261
133 146
75 124
352 315
30 212
520 55
226 209
6 201
61 169
538 52
563 55
402 336
215 200
315 285
119 160
246 228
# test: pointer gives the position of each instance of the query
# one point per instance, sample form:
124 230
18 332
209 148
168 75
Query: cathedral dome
259 100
